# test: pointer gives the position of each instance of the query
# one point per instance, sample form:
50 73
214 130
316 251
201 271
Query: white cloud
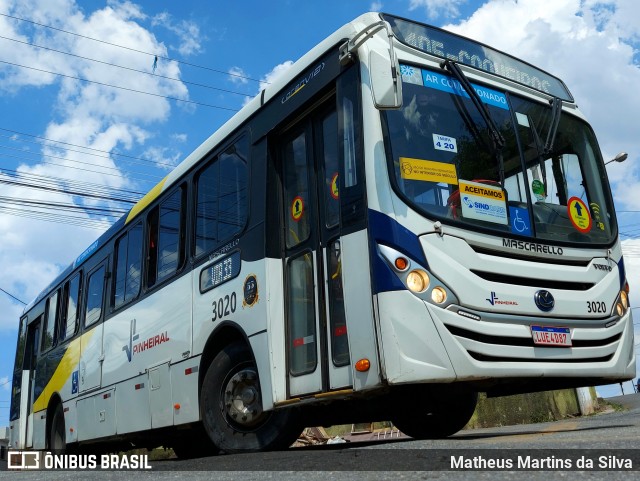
179 137
165 158
375 7
275 74
237 75
438 8
188 33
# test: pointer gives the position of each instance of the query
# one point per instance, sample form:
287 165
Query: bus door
317 348
91 349
30 358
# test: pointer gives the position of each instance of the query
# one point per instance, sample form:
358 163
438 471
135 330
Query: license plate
551 336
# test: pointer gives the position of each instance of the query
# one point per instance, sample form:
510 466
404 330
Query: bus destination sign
447 45
222 271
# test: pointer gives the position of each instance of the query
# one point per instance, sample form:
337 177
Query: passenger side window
48 339
166 227
221 204
71 296
128 266
95 291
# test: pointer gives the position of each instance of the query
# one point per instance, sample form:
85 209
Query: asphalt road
610 441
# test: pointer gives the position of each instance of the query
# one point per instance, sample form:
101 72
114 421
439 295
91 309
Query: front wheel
231 406
433 415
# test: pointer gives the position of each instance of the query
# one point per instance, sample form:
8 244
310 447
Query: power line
21 302
58 218
119 87
141 161
128 68
76 145
68 192
119 175
153 176
28 176
132 49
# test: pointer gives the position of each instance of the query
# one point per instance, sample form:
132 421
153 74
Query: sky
183 68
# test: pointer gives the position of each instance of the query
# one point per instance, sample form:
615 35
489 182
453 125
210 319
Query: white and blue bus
406 219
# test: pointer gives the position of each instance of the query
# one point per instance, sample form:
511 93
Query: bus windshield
546 182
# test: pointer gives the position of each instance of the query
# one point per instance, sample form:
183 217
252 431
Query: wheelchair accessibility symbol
520 223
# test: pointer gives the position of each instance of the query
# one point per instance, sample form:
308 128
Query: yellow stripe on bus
69 363
146 200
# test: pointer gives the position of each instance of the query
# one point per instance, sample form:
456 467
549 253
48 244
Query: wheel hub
242 398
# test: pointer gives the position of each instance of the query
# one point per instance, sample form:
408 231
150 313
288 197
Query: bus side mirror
386 82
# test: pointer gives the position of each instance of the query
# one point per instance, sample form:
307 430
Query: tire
231 406
197 445
434 415
56 437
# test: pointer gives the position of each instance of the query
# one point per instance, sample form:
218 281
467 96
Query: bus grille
484 357
528 343
526 281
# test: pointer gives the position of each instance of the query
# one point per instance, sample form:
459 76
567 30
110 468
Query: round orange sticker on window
579 214
334 186
297 208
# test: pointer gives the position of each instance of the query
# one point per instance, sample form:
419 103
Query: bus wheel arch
224 335
56 439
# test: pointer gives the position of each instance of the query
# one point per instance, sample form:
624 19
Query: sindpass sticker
483 202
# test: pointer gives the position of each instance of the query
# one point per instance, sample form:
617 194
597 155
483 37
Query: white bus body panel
276 333
184 391
252 319
132 406
97 415
91 357
413 349
358 306
39 422
155 330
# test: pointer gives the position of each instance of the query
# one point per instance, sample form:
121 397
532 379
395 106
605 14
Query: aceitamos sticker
483 202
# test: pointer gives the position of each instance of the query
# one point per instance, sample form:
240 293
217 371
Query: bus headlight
417 280
624 299
438 295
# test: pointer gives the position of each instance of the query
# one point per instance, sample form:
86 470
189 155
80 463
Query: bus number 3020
596 306
224 306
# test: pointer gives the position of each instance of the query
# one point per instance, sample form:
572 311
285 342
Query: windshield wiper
494 133
541 153
556 110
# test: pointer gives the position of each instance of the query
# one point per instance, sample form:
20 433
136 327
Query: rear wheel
196 445
431 415
231 406
56 439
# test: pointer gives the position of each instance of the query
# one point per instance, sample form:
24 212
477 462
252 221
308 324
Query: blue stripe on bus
384 230
622 273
